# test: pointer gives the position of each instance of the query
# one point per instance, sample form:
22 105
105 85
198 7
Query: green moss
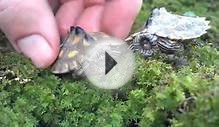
159 94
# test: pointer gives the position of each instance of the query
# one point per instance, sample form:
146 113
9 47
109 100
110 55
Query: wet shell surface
165 24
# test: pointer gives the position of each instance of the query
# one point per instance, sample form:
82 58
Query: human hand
34 30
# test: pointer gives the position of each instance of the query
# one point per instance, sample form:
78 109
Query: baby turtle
166 31
72 53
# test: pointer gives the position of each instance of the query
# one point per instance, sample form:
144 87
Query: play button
109 63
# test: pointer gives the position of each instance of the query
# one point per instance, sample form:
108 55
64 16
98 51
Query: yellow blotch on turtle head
72 54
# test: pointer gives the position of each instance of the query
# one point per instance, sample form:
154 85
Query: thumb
31 28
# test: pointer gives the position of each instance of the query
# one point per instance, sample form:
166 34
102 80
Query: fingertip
90 20
67 15
31 28
38 49
119 17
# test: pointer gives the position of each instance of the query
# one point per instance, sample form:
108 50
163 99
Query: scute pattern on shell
172 26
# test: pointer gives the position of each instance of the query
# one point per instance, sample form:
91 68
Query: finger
68 14
31 28
119 16
90 19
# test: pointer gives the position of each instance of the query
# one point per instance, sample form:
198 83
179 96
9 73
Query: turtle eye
79 31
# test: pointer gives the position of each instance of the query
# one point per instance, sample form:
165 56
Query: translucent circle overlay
96 62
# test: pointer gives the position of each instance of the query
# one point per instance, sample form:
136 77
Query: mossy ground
159 95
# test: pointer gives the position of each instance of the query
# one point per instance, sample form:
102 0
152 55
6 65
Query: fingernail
37 49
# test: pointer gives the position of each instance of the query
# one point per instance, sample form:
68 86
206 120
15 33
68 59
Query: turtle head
77 30
72 51
78 33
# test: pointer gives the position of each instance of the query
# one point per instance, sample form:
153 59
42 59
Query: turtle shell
165 24
71 55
